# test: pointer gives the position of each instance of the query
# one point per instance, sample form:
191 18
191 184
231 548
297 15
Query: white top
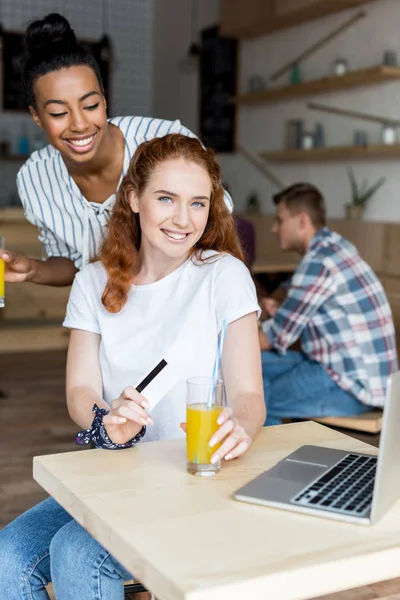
177 318
69 225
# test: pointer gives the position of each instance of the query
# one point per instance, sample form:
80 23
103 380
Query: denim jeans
46 544
296 387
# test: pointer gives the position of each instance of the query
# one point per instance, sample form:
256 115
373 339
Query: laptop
336 484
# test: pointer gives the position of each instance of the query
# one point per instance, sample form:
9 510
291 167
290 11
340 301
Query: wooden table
276 266
185 538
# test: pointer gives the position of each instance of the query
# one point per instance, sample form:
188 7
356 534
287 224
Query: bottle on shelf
38 140
295 74
319 136
23 140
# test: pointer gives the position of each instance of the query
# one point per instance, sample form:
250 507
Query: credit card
158 382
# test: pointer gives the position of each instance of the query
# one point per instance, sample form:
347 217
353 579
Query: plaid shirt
338 309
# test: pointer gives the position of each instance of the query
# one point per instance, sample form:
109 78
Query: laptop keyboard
346 488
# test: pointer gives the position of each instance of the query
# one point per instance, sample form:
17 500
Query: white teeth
175 236
84 142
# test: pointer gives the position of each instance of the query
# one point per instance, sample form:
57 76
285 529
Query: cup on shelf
390 58
340 66
307 140
389 134
360 138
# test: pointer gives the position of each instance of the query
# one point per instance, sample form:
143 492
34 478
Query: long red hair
119 251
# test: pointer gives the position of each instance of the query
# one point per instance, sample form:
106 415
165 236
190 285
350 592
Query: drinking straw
217 363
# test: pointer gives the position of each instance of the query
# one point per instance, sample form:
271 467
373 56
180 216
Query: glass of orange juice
204 404
2 273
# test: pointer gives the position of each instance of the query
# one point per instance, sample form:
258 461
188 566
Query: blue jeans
46 544
296 387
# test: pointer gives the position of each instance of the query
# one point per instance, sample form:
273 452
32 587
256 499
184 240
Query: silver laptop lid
387 479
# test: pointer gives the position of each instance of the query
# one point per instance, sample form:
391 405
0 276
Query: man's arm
270 304
309 290
264 343
280 293
56 271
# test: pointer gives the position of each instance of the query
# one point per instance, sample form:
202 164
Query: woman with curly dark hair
68 188
170 276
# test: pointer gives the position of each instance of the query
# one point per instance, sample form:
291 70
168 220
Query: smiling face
71 110
173 209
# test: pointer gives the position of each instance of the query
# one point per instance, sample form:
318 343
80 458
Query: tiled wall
129 24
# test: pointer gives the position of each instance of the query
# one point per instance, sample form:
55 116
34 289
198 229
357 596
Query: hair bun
53 28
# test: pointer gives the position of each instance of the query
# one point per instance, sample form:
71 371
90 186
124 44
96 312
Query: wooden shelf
32 336
12 214
332 83
264 23
370 422
334 153
13 157
273 266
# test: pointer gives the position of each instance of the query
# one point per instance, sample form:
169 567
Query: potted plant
360 194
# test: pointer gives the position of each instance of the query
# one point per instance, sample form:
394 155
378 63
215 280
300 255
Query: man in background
335 306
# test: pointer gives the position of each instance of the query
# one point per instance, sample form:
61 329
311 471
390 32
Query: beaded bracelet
97 433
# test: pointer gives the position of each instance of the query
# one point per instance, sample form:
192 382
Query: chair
365 427
247 236
130 589
368 422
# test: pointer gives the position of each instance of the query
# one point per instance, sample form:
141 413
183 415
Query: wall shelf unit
5 157
252 18
11 213
334 153
359 78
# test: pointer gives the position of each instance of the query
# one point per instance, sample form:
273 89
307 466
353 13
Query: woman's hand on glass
235 440
128 414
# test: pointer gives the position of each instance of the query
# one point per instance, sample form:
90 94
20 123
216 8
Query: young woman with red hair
168 277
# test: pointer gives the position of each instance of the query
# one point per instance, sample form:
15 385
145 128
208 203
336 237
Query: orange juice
2 269
201 424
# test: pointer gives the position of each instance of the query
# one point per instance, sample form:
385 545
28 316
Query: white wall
262 127
175 90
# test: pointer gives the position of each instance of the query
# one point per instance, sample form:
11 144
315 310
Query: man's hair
303 197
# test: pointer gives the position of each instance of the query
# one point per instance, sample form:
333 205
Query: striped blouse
69 225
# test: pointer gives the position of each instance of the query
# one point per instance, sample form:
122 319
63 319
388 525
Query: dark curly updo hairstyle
51 45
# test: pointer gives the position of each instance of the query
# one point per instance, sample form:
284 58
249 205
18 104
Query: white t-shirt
177 318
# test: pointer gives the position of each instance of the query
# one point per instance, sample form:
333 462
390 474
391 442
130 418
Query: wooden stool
368 422
365 427
130 587
133 587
